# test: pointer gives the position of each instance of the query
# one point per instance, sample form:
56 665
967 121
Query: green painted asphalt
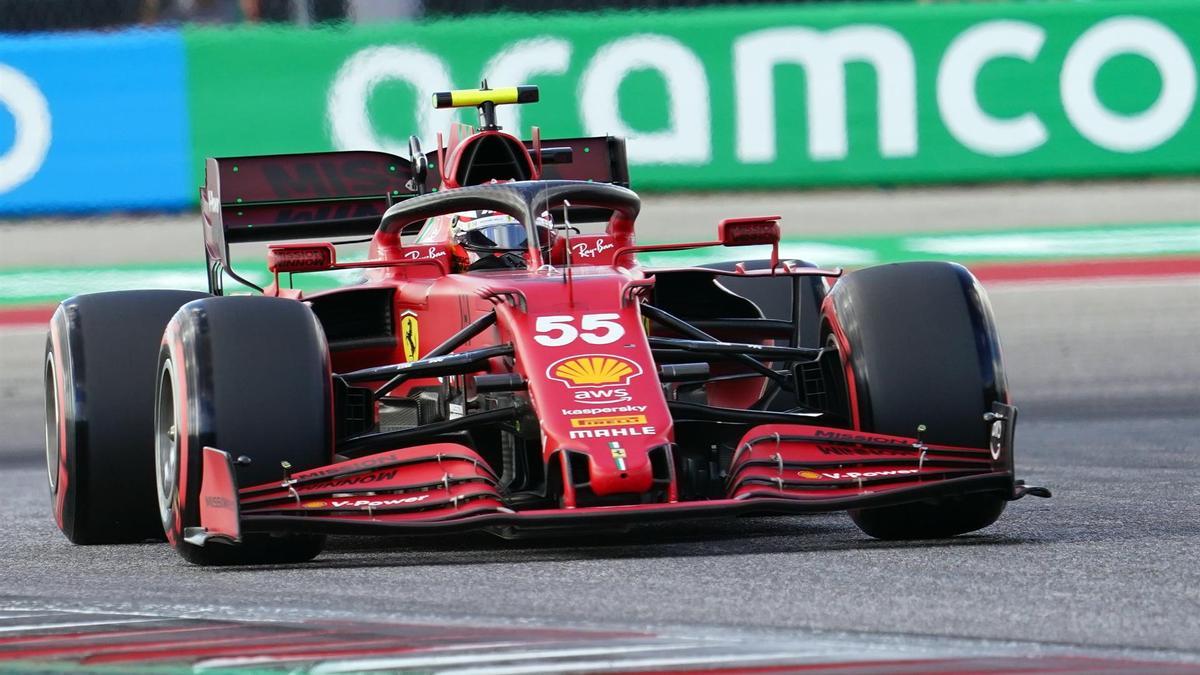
41 285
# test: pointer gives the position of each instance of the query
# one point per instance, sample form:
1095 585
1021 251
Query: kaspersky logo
593 370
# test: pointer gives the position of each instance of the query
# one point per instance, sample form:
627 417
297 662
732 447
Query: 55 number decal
594 329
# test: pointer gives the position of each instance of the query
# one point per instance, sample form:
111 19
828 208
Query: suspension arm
365 444
729 349
453 342
431 366
674 323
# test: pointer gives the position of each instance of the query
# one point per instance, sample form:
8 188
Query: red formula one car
503 362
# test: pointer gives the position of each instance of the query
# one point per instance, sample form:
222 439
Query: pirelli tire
918 346
99 399
248 375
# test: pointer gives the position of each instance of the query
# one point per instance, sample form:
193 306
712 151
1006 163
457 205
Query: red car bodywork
582 359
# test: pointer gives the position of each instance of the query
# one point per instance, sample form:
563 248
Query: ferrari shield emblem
618 455
410 336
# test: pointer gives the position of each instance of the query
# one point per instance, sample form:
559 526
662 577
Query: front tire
99 391
918 346
249 376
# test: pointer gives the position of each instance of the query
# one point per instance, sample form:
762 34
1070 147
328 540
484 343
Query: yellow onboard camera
486 100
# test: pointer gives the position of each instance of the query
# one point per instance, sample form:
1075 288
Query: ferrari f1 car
504 362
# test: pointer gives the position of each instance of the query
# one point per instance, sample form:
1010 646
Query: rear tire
918 346
249 376
99 392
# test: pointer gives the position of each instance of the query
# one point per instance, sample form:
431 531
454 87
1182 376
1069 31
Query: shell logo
593 370
811 475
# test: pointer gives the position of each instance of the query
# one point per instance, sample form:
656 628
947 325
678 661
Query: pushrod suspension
432 366
673 322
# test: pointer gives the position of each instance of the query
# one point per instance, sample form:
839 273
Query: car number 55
594 329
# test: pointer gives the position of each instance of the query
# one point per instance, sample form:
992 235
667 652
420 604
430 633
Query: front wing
776 469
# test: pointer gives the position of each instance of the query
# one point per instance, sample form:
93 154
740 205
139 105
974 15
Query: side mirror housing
287 258
755 230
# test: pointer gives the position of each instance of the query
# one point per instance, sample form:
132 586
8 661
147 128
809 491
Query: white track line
241 661
484 658
592 666
75 624
23 617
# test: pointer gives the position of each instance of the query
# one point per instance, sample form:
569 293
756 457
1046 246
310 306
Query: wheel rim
53 442
166 444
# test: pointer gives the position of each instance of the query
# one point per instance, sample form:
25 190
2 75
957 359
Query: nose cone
617 466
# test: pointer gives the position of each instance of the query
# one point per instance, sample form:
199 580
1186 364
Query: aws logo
593 370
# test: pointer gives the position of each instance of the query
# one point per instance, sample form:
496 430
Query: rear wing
599 158
339 194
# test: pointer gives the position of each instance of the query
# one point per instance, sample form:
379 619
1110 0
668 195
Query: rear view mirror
750 231
285 258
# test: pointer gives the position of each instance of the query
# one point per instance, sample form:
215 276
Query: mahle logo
756 56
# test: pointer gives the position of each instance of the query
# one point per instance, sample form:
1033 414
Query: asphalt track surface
1107 375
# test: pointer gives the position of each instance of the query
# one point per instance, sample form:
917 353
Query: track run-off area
1102 362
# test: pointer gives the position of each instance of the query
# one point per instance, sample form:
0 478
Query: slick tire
248 375
918 345
99 400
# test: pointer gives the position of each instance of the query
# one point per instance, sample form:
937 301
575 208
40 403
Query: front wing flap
807 462
776 469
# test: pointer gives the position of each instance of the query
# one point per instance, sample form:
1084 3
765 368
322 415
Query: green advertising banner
746 96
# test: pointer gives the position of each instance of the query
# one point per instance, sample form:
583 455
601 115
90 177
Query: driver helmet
495 240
